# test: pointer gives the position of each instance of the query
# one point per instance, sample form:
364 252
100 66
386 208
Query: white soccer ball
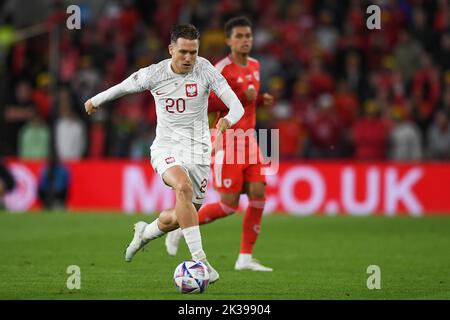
191 277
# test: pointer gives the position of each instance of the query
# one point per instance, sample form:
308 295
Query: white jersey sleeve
233 103
139 81
220 86
217 81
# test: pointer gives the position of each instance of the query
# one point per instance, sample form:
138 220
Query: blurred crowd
341 90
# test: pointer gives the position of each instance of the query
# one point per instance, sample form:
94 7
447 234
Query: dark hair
236 22
185 31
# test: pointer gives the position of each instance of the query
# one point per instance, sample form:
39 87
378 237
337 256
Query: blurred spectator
325 140
213 39
407 55
292 135
442 53
87 81
354 76
425 90
165 16
18 114
289 128
196 12
319 80
439 138
420 28
97 140
70 132
34 139
128 21
441 19
41 96
301 103
53 185
371 134
127 117
346 104
444 104
405 138
326 33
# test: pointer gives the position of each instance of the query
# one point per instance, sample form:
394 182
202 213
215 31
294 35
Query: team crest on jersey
191 90
227 183
170 160
256 75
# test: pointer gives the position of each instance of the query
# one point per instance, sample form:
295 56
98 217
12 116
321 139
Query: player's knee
230 200
231 204
184 190
168 219
256 190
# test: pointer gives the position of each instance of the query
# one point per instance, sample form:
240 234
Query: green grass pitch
314 257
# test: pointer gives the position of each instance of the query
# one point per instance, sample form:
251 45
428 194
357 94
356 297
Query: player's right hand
251 93
89 107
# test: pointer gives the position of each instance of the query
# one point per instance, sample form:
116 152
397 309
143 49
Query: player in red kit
237 166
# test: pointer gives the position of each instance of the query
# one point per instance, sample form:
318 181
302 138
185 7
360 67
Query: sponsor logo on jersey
240 80
191 90
170 160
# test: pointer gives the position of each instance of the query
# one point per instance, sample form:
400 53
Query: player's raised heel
137 243
246 262
173 241
213 274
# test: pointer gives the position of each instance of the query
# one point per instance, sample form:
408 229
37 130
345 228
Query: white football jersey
182 107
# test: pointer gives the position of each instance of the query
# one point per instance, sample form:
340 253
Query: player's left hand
267 100
223 124
89 107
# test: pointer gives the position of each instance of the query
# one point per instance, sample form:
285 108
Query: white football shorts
162 160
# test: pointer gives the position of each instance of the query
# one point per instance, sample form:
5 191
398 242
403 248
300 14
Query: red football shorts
229 175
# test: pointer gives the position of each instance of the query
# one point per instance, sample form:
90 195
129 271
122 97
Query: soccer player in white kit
181 151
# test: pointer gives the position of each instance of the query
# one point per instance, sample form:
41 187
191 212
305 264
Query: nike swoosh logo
159 93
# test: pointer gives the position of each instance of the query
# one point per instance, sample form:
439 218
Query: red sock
213 211
251 224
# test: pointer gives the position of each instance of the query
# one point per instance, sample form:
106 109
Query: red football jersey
240 78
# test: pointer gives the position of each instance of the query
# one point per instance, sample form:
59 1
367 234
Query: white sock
194 242
245 257
152 231
178 233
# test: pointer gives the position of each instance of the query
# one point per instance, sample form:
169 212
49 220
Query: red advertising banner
298 188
